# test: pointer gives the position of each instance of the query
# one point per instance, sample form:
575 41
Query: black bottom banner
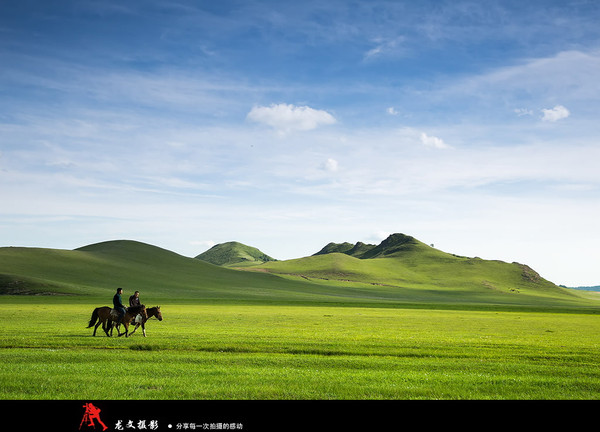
264 416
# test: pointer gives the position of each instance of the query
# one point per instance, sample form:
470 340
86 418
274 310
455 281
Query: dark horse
140 320
105 315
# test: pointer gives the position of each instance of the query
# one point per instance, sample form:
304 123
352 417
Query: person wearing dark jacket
134 300
118 303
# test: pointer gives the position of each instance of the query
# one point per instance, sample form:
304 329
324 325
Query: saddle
114 315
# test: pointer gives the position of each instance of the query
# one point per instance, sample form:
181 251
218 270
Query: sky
286 125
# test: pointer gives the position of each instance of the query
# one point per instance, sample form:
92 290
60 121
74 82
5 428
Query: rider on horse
134 300
118 304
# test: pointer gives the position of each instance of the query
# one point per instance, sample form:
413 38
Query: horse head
158 313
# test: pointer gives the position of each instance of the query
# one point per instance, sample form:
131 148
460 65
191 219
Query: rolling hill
399 271
234 254
404 263
97 270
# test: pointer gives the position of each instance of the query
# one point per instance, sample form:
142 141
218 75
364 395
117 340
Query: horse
153 311
102 316
106 316
130 315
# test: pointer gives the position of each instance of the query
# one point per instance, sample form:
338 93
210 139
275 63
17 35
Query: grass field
253 351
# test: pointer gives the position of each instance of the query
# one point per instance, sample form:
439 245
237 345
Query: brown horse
106 316
101 315
152 312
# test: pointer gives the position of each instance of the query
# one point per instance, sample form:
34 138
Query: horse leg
126 325
96 328
136 327
113 326
117 325
106 325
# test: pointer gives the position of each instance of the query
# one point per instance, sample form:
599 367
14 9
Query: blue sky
471 125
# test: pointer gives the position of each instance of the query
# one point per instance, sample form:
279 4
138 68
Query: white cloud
559 112
286 118
331 165
432 141
392 111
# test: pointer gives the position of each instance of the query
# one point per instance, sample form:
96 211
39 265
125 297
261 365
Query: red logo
91 413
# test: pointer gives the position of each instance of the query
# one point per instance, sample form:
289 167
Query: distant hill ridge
355 250
586 288
391 245
234 254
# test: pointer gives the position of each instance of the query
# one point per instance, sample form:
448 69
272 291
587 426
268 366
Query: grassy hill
404 264
234 254
97 270
402 271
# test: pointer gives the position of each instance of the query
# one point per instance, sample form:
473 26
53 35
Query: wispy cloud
523 112
568 76
385 47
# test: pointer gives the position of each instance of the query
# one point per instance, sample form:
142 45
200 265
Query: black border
305 415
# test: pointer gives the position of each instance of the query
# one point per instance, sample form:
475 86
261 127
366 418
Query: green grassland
408 322
222 351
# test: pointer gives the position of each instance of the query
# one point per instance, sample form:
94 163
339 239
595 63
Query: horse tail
94 318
